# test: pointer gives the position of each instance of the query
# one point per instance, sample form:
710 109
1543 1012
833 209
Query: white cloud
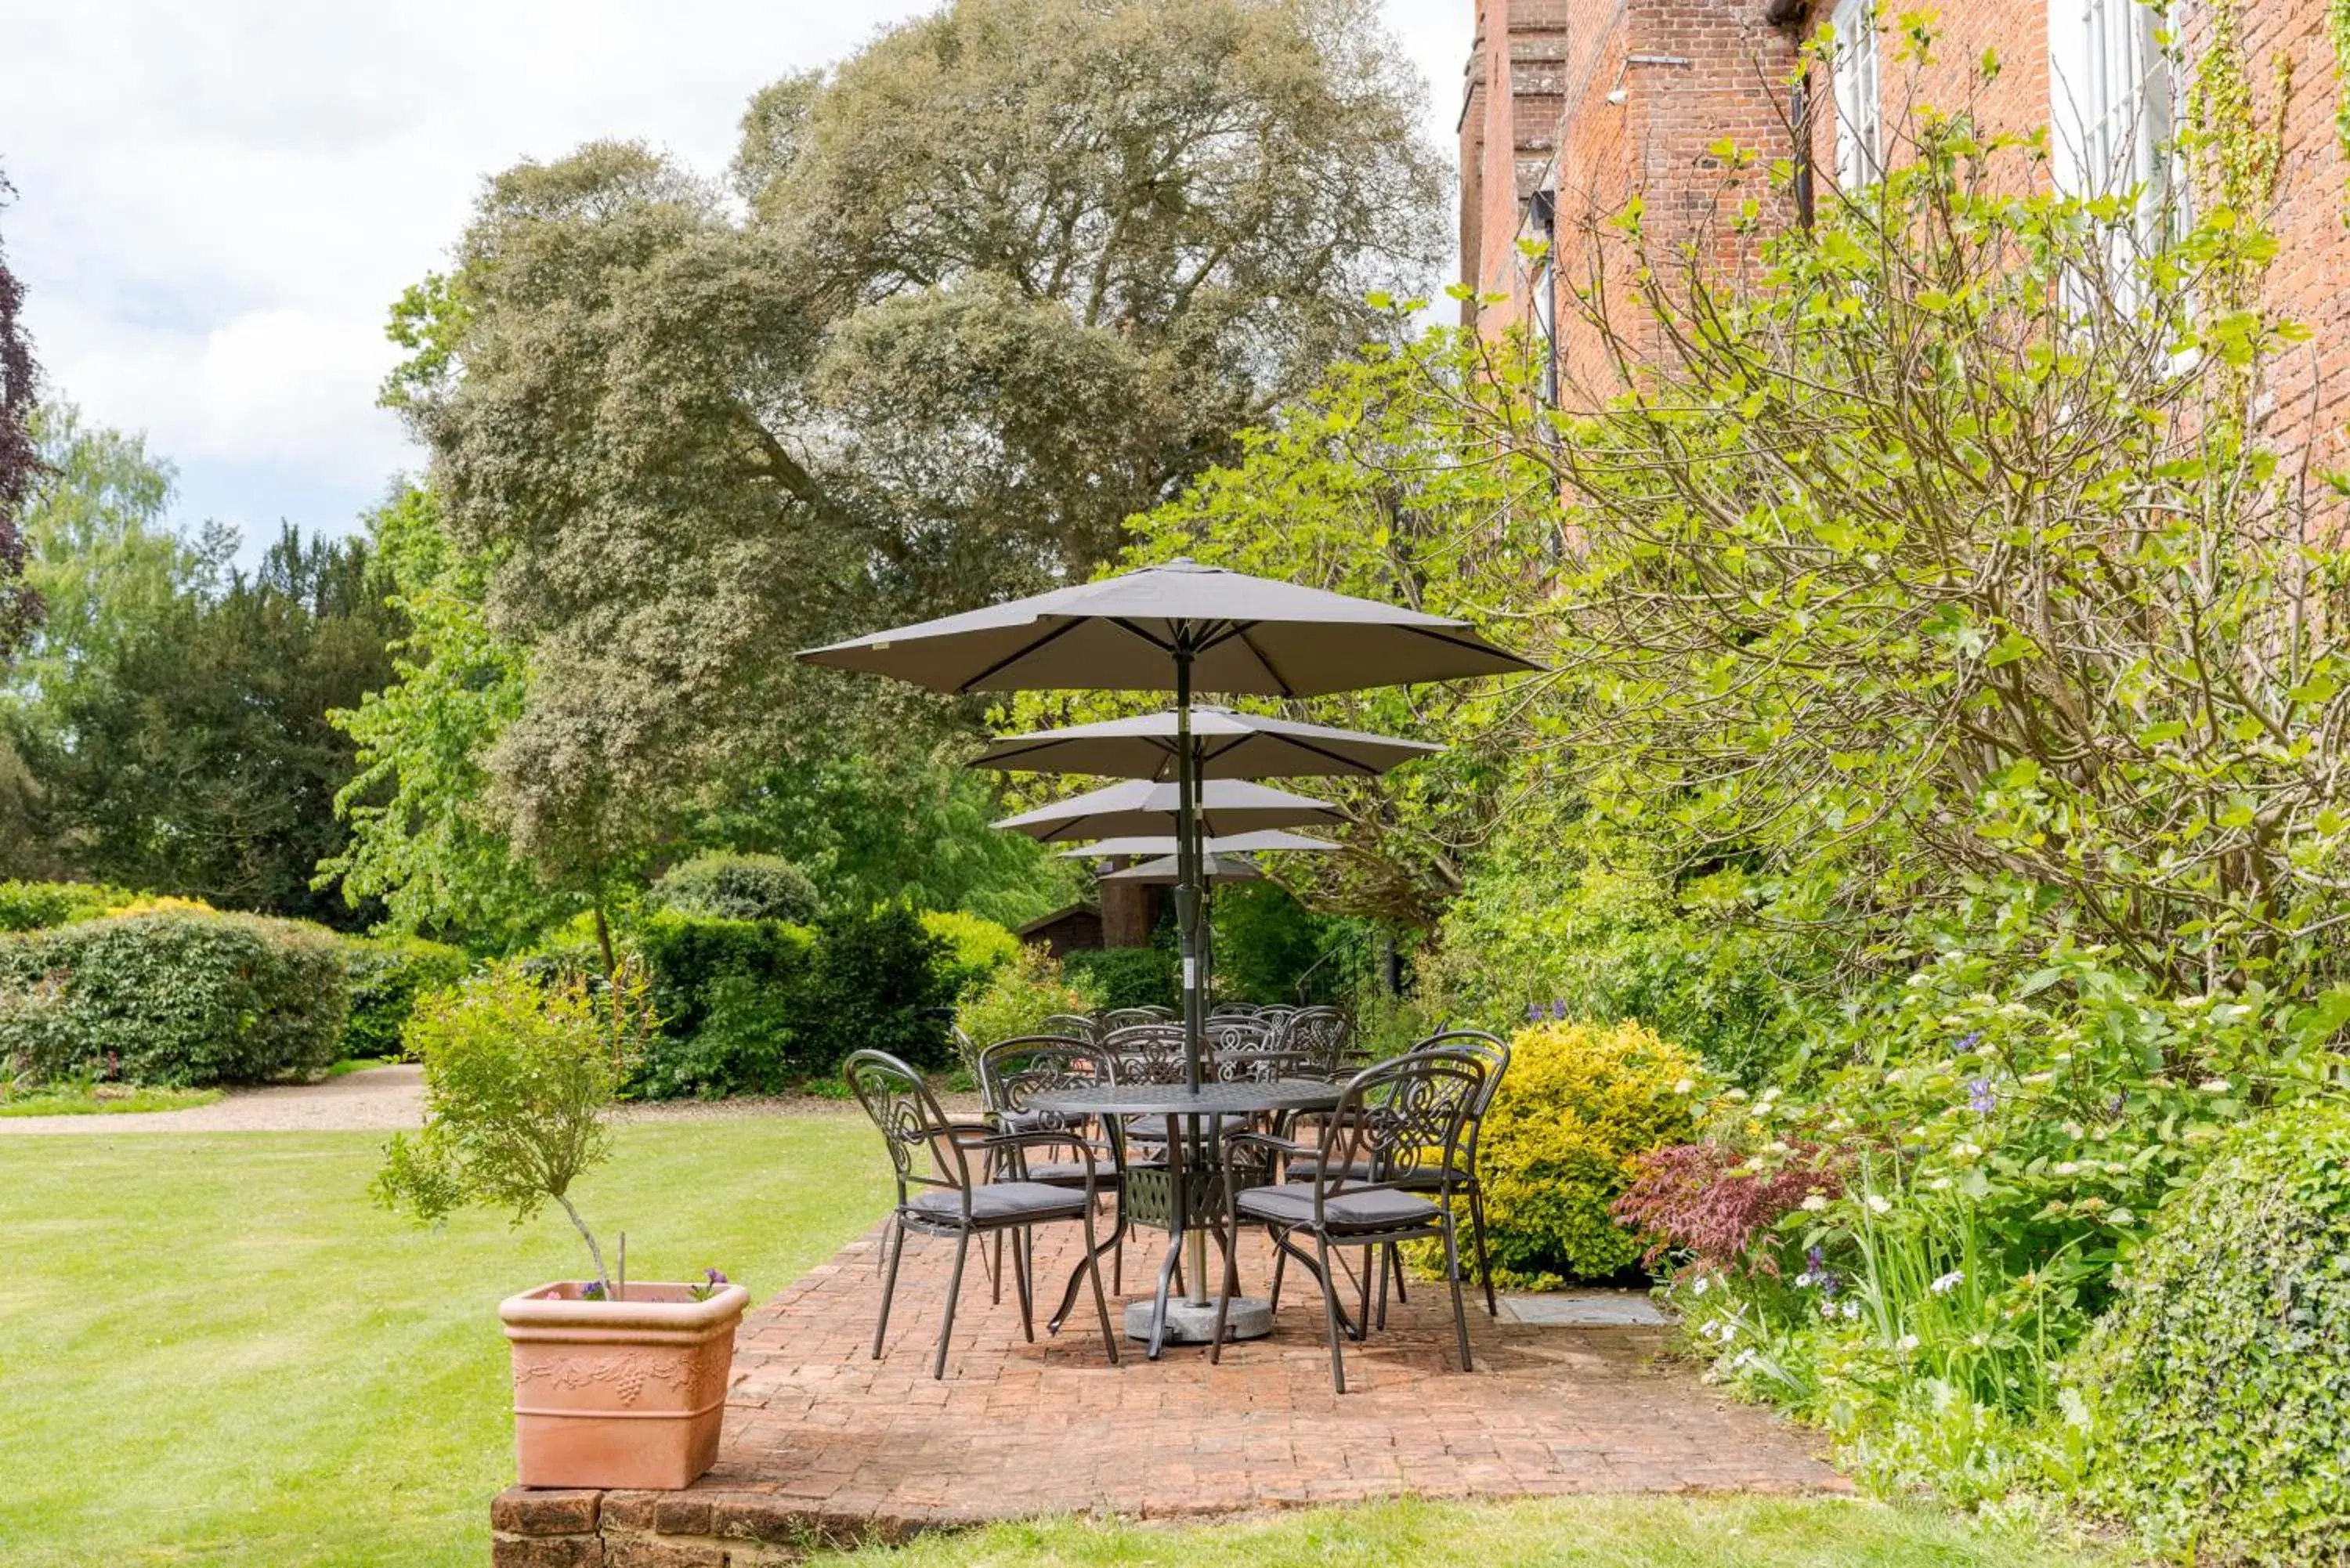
217 202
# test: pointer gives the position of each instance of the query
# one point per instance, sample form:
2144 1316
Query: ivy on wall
2337 29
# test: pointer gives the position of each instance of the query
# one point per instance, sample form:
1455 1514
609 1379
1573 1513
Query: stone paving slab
1585 1308
824 1444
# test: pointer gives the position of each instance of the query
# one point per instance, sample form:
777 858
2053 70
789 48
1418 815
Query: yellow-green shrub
1019 996
1581 1102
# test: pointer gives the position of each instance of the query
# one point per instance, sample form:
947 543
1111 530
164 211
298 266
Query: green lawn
106 1101
1573 1532
214 1350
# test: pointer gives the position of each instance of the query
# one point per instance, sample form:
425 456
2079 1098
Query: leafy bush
1579 1107
175 998
2219 1386
1126 977
880 984
386 975
976 947
723 886
518 1075
1267 944
36 905
727 993
1021 996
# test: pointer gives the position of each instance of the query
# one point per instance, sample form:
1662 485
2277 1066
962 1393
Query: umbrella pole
1187 866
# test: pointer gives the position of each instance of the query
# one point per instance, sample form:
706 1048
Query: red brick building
1572 107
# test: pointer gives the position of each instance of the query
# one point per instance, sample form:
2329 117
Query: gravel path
381 1099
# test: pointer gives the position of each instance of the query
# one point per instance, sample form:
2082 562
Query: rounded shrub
174 998
725 886
2219 1385
976 947
1020 997
385 976
1580 1105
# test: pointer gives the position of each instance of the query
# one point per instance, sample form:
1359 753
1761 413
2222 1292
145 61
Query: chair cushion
1072 1172
1428 1177
1293 1204
1006 1200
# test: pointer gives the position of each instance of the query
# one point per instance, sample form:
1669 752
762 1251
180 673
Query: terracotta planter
621 1394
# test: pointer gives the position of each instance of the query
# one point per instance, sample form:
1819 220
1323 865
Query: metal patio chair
1393 1122
937 1195
1010 1071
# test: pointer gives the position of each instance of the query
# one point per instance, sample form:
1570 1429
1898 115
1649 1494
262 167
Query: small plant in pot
616 1383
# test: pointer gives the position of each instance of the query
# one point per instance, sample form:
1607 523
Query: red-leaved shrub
1693 1197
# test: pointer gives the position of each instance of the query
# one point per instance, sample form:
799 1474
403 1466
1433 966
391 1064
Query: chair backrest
1010 1071
1128 1018
1147 1053
1319 1032
901 1105
1239 1032
1490 1049
1234 1010
1067 1026
1400 1118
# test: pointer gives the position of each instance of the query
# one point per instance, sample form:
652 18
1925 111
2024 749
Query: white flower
1701 1284
1949 1282
1686 1086
1907 1342
2065 1168
1814 1203
1879 1204
1851 1310
1940 1184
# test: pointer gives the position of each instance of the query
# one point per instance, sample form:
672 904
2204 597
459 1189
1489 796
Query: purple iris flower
1982 1096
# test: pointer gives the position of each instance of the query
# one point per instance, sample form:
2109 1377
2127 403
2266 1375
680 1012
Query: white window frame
1860 95
2110 97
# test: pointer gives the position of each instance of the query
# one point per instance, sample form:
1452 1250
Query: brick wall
1562 58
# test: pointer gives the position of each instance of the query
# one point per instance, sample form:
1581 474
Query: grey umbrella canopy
1180 627
1165 870
1228 745
1138 806
1153 845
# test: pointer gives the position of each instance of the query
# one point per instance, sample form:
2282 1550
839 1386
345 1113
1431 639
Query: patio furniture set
1294 1139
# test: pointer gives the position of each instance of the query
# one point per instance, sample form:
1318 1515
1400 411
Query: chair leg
1401 1299
1374 1260
1477 1238
1273 1296
991 1258
1452 1273
1387 1256
1224 1294
1101 1304
1330 1314
954 1289
1024 1246
895 1245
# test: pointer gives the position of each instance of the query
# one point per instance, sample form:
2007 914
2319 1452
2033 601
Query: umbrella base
1192 1323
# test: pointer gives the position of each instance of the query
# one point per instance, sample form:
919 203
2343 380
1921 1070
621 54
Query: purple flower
1982 1096
714 1277
1970 1041
1818 1272
593 1291
1558 1010
1533 1011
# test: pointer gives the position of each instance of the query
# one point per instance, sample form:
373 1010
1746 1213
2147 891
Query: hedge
976 948
757 1006
384 976
2217 1386
173 998
1124 977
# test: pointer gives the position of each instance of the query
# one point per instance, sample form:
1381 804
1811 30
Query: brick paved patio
824 1444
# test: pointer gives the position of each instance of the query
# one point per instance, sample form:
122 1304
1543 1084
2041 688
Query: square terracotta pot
629 1393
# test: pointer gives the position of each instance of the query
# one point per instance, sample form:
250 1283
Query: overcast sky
217 202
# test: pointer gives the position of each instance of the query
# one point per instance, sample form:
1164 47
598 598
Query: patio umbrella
1182 627
1152 846
1218 808
1167 871
1228 745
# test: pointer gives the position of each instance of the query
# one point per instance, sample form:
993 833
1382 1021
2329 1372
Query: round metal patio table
1186 1196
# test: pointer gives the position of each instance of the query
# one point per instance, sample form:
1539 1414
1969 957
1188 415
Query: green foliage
2218 1387
1268 943
729 994
34 906
976 949
173 999
1579 1105
385 976
1126 977
1019 996
518 1077
423 838
881 982
719 886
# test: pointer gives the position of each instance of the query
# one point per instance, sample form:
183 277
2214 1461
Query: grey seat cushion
993 1201
1293 1204
1427 1178
1072 1173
